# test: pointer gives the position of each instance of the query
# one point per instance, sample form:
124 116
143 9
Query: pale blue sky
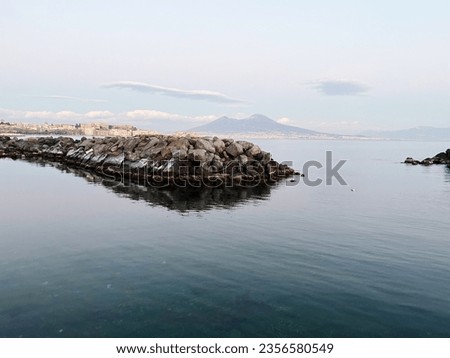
338 66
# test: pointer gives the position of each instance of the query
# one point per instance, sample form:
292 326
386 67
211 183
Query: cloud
18 115
204 95
99 114
71 98
137 115
285 120
340 87
145 114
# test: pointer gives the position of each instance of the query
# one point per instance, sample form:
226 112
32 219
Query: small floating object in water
61 330
108 285
292 180
352 189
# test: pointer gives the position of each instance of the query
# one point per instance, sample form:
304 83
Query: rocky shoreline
440 158
157 160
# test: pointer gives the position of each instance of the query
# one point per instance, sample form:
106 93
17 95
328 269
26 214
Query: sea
366 256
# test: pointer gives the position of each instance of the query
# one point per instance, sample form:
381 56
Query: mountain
257 125
417 133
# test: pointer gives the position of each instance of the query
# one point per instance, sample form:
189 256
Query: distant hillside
257 124
418 133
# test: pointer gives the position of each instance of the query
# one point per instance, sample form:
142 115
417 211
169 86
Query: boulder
180 154
442 155
265 157
254 151
245 145
219 146
131 144
205 144
87 144
197 155
115 160
243 159
234 149
152 142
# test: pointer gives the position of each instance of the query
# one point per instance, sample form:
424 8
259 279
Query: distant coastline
88 129
253 129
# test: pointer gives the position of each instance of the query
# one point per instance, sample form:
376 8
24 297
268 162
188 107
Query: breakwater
157 160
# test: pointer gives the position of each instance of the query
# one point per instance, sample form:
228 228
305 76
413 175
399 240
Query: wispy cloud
204 95
340 87
71 98
146 114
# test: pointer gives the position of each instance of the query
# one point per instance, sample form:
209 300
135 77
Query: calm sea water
83 259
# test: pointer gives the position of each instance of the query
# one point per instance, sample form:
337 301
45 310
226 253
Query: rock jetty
440 158
156 160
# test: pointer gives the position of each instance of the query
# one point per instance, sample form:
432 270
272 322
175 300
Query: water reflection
179 199
447 174
447 178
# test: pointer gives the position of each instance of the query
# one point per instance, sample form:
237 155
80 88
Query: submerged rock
157 160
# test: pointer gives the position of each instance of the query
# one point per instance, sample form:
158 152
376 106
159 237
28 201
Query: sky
333 66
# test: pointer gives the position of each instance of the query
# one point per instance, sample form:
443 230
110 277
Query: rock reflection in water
447 175
178 199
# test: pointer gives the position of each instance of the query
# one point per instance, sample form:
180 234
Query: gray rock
131 144
156 150
99 148
205 144
234 149
243 159
197 155
245 145
217 164
254 151
209 157
180 143
87 144
266 157
114 160
153 141
97 159
219 145
442 155
142 163
166 153
180 154
133 157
